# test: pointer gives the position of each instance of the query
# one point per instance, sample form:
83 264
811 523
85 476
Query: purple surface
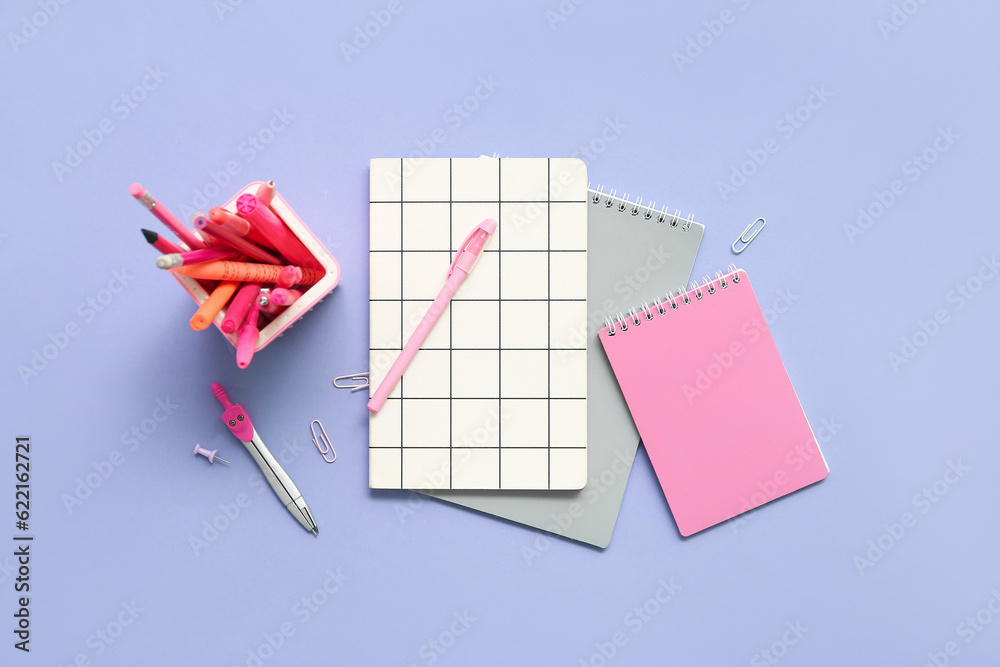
267 90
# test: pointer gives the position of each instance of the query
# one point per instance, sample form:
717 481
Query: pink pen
246 340
173 259
285 297
465 259
281 237
165 216
235 241
237 311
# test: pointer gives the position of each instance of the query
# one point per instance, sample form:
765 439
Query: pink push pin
210 455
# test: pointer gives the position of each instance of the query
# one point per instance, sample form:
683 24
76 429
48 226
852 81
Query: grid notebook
709 394
635 252
495 398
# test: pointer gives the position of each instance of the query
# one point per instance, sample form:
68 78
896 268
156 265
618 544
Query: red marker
237 242
271 227
236 224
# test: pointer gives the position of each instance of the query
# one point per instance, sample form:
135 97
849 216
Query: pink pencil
237 311
280 236
165 216
246 340
173 259
235 241
163 245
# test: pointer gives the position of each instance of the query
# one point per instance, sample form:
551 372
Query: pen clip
469 240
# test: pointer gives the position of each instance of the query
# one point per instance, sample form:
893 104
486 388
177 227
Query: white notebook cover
497 396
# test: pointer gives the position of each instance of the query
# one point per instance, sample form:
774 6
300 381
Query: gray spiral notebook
636 253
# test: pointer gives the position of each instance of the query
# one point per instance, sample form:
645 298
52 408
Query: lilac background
410 573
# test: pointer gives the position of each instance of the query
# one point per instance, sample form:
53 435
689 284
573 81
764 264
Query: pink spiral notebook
712 401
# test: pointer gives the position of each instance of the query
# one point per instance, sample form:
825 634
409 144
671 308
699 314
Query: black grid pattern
504 294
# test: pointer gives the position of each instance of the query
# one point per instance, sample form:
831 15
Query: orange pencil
244 272
213 304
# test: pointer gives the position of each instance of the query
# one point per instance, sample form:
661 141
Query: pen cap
472 249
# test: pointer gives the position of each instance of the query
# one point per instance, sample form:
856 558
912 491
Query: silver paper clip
361 378
322 441
743 237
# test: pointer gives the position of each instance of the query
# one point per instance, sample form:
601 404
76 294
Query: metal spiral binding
707 287
624 203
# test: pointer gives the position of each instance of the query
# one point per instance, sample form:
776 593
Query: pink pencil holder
313 295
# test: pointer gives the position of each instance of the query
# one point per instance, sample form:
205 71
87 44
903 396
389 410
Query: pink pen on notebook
465 260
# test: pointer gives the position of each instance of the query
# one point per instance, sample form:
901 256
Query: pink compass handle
235 415
220 394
